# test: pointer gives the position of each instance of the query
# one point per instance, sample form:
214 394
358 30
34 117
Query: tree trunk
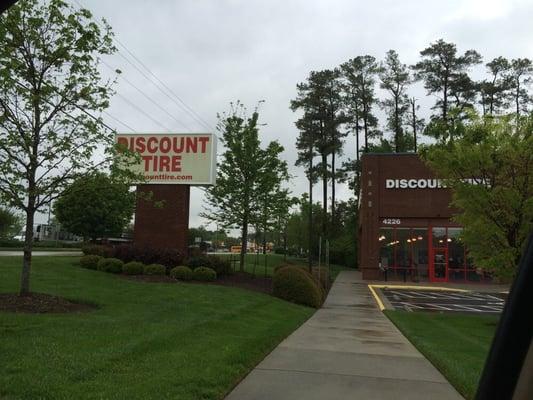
333 190
324 194
28 246
517 102
396 125
244 242
310 233
357 174
414 122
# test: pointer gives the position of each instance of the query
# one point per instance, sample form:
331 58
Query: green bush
298 286
154 269
90 261
204 274
182 273
133 268
97 249
220 265
113 265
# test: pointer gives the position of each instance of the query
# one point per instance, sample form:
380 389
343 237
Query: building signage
186 159
421 183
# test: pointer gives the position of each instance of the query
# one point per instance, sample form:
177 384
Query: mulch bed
242 280
150 278
40 303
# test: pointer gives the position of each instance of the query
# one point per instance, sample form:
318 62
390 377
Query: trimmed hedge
298 286
133 268
90 261
204 274
154 269
182 273
113 265
98 250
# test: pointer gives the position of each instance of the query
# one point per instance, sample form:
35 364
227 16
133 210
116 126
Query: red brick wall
414 207
165 227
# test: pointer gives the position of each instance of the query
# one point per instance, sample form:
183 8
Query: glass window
386 247
419 246
456 254
403 247
439 237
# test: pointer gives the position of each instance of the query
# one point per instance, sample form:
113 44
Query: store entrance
438 267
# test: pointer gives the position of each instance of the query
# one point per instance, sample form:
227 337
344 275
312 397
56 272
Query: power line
143 112
146 96
119 121
183 105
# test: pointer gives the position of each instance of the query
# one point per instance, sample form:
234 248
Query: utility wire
146 96
143 112
119 121
183 105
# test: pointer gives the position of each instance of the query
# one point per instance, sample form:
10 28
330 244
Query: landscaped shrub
182 273
148 255
204 274
98 250
133 268
222 266
113 265
90 261
154 269
296 285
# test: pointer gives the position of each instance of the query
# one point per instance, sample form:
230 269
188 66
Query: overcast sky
211 53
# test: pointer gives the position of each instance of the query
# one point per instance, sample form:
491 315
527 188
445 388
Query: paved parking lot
445 301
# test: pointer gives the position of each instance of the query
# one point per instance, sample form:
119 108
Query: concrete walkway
347 350
65 253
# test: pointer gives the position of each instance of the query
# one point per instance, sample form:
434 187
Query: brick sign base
165 227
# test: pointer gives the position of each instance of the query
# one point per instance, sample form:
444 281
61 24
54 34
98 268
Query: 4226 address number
392 221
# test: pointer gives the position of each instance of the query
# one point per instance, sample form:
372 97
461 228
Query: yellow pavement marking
381 306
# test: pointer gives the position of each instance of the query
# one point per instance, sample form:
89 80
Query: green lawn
456 344
146 341
272 261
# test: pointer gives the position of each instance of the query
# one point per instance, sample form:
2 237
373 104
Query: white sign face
175 159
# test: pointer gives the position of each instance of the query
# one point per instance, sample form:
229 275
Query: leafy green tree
245 173
273 200
49 85
497 211
95 206
10 224
394 79
444 73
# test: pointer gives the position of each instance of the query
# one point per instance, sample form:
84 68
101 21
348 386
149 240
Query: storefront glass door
439 265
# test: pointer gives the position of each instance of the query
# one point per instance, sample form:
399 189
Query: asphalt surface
445 301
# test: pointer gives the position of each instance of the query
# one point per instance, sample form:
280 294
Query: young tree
520 75
49 86
394 79
245 173
444 72
497 211
95 206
